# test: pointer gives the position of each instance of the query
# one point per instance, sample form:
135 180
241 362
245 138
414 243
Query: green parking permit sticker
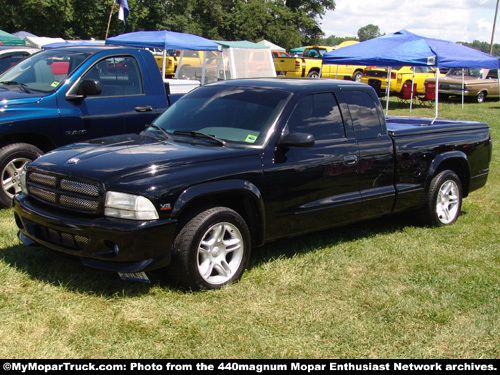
54 84
251 138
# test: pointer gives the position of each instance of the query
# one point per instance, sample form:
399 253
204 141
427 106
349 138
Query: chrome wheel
447 203
220 253
11 176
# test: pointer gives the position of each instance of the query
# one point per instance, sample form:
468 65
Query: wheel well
38 140
458 166
241 202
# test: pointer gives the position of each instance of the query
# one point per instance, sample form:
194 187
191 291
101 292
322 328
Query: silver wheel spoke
220 253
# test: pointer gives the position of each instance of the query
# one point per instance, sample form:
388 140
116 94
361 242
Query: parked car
10 56
238 163
377 78
67 95
478 84
280 54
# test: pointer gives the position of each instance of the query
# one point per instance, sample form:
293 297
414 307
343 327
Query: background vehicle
10 56
236 164
478 84
310 65
66 95
377 78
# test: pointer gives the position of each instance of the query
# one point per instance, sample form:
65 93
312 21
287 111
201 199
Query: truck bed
402 126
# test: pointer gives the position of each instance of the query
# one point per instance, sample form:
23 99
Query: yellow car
377 78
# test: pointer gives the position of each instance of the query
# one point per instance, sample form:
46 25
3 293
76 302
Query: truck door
317 186
109 112
376 160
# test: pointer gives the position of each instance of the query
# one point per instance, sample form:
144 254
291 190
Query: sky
453 20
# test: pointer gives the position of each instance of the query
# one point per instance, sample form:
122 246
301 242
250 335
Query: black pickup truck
235 164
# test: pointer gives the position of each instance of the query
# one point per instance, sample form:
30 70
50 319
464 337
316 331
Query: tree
368 32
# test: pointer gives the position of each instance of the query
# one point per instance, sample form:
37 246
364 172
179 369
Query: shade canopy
403 48
7 39
164 39
271 45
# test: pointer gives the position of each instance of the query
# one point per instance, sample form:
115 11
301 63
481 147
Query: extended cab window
364 114
318 115
118 76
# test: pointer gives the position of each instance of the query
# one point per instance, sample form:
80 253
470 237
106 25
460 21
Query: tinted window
11 60
230 113
364 114
318 115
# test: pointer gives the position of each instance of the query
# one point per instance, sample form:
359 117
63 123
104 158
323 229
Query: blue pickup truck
67 95
236 164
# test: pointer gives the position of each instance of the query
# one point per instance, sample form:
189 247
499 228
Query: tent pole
164 61
463 87
388 90
412 85
436 93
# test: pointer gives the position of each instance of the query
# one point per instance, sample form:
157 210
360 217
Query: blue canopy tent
403 48
164 39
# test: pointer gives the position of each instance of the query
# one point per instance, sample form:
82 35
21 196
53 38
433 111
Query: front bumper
105 243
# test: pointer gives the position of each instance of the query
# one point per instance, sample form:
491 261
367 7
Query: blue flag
122 10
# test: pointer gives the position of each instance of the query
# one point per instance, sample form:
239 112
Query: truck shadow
67 272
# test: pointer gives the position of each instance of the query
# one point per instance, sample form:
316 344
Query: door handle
350 160
144 108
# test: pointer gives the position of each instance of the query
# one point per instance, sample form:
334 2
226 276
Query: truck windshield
232 114
44 71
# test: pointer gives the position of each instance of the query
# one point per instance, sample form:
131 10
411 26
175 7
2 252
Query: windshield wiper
196 134
163 131
21 85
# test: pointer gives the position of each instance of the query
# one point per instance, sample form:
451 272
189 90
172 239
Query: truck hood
130 157
15 97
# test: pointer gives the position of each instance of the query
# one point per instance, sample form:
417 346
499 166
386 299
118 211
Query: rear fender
456 161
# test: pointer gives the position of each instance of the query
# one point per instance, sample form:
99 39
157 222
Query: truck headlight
129 206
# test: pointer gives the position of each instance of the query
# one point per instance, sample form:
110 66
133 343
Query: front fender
242 188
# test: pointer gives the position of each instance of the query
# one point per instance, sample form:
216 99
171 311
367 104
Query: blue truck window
318 115
364 114
118 76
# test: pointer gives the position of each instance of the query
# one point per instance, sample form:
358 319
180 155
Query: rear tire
313 74
444 200
13 159
211 250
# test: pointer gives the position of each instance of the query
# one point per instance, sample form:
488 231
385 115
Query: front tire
444 200
211 250
13 159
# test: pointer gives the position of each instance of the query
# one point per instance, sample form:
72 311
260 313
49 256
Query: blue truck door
376 157
139 103
313 187
96 115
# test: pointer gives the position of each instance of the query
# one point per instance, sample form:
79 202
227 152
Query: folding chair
406 95
430 93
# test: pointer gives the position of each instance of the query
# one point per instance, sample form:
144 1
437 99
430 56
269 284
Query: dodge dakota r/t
235 164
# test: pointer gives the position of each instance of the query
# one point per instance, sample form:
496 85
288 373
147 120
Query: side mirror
297 140
89 87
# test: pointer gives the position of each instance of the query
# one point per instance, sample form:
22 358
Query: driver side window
118 76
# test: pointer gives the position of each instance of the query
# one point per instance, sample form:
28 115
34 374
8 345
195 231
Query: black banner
257 366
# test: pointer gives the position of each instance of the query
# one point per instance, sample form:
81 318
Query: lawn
386 288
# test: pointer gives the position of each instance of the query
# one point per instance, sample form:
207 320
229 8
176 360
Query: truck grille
64 192
66 240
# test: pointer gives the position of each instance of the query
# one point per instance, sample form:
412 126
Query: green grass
385 288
